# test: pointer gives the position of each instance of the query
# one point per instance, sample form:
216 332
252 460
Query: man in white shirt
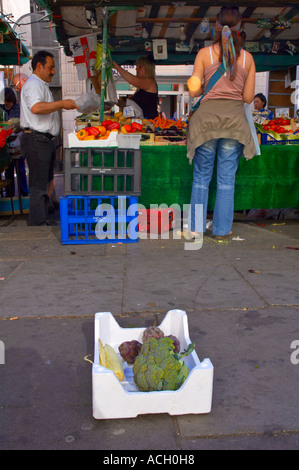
41 121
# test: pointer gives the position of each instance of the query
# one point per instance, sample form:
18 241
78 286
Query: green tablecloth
268 181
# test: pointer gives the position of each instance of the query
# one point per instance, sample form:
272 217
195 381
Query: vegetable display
162 128
280 128
156 362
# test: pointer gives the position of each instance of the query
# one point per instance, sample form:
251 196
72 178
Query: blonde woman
146 96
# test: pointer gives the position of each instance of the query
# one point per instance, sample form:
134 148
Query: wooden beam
170 13
185 20
248 12
153 14
198 13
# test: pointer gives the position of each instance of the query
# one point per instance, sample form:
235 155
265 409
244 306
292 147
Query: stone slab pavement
242 302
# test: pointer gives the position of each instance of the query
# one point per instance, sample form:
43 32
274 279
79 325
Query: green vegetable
157 367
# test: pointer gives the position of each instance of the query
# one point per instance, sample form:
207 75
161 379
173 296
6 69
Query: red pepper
128 128
106 123
136 126
92 131
114 125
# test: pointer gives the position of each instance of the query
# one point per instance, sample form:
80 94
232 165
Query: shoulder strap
212 82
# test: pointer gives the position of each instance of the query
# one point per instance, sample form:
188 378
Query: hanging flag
84 50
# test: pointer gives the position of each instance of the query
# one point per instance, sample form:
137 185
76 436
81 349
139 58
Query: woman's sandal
222 237
188 235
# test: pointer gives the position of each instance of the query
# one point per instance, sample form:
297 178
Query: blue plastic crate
98 219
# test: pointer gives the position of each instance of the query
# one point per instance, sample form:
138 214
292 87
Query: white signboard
282 111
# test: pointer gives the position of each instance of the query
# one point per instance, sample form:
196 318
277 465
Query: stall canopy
12 50
271 31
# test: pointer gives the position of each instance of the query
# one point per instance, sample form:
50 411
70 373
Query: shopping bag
249 117
88 103
111 91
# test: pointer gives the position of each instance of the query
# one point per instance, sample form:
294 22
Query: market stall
180 30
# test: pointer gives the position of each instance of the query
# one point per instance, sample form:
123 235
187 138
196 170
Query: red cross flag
84 50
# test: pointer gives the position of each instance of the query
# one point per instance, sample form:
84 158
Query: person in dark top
146 97
12 109
260 106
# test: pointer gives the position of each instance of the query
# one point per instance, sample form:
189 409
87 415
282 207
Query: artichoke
129 350
152 332
176 343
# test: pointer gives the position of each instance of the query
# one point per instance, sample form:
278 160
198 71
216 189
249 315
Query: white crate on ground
113 399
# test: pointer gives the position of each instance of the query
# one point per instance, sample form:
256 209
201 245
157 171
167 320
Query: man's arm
43 107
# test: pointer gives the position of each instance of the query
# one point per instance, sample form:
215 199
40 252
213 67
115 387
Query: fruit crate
98 219
113 399
89 171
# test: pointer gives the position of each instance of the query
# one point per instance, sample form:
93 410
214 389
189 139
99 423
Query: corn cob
108 358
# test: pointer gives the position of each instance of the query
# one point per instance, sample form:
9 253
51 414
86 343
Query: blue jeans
228 153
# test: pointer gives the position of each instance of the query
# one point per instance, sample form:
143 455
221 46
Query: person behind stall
260 109
12 109
41 122
161 113
219 125
146 97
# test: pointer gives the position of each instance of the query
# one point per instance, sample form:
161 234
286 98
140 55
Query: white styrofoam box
111 141
128 141
113 399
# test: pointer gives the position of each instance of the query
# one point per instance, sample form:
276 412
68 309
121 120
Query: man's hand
70 104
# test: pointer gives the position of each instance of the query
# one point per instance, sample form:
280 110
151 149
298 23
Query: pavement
242 302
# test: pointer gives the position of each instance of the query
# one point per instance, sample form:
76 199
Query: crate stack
101 189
